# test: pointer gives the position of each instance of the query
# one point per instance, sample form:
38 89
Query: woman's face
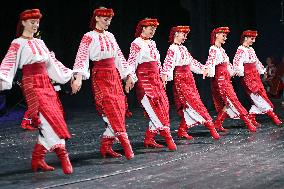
221 37
250 40
180 37
31 25
149 31
103 22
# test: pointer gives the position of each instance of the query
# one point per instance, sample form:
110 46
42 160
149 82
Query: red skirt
185 92
42 98
253 83
222 90
150 84
108 94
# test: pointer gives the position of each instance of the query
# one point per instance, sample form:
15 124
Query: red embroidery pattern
237 58
106 42
32 47
83 54
10 59
101 42
37 47
153 51
211 57
168 63
134 50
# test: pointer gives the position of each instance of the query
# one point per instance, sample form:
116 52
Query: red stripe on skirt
108 94
222 90
185 92
253 83
150 84
41 97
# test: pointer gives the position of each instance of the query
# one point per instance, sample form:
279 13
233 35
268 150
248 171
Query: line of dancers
142 69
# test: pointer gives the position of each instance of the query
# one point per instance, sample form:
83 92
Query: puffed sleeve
168 66
9 66
133 59
238 62
211 62
83 57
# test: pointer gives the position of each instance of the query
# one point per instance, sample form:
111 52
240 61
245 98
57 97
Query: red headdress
184 29
144 23
248 33
104 12
25 15
218 30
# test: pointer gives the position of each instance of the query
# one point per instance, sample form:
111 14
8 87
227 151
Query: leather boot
274 117
168 138
38 161
219 121
27 122
125 143
149 140
62 154
211 127
182 130
249 125
252 118
106 147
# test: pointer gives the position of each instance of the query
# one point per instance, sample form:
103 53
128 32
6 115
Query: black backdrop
65 21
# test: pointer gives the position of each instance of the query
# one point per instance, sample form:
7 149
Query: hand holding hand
76 83
129 84
205 73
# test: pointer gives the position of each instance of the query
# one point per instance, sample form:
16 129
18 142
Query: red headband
248 33
218 30
184 29
30 14
144 23
103 12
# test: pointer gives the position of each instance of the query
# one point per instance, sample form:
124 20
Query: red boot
62 154
182 130
219 121
27 122
249 125
253 120
106 147
149 140
38 161
213 132
125 143
274 117
168 138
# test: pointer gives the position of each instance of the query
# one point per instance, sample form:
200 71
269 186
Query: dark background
65 21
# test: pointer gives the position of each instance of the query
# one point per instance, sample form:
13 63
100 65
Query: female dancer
220 70
246 64
144 59
39 66
101 47
177 66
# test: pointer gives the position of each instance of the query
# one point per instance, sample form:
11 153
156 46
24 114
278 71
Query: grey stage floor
238 160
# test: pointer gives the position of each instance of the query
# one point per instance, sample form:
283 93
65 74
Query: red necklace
25 37
145 38
99 31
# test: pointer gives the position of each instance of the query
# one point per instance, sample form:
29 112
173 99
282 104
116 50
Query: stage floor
238 160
